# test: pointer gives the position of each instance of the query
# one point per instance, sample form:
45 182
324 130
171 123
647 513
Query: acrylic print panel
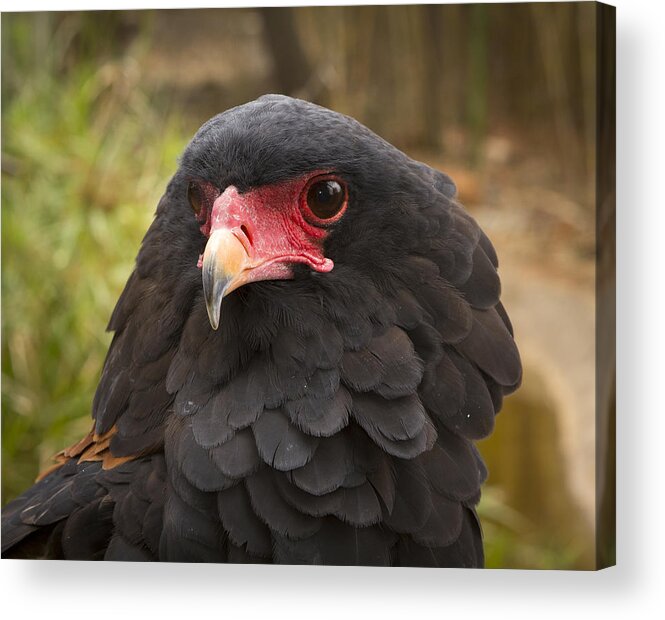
307 358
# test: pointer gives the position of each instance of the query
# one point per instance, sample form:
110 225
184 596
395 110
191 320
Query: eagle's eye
195 197
326 198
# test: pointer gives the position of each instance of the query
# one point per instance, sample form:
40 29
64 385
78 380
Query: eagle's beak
224 266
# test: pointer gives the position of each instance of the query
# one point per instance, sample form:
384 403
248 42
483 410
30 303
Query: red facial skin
275 226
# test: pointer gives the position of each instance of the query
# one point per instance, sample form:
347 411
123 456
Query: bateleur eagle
310 343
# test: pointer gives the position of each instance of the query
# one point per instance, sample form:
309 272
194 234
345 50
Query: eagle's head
283 189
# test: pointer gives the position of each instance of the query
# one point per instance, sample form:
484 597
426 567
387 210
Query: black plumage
330 417
238 457
328 468
280 444
242 524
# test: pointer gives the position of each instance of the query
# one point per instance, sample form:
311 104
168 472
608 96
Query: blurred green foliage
84 160
513 541
530 517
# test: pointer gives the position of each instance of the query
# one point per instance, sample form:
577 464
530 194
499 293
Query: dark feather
475 419
443 525
488 248
288 352
324 348
465 552
443 390
338 544
402 379
382 479
113 396
146 441
128 515
427 343
241 522
356 334
189 535
210 425
329 467
120 550
360 506
150 402
501 311
273 510
388 365
238 457
179 370
450 313
190 494
492 348
483 288
197 464
401 448
413 503
280 444
88 530
408 313
453 468
57 502
152 526
313 505
396 419
241 555
361 370
320 417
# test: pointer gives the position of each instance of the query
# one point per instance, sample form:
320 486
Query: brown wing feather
92 447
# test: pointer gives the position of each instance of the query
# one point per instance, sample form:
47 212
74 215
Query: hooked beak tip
214 303
224 261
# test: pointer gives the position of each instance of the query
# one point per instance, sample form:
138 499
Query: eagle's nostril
245 231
